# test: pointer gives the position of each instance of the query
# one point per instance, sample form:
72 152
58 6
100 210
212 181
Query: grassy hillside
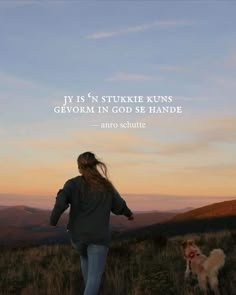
150 266
226 208
183 227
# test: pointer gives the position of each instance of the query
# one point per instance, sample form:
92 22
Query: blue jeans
92 267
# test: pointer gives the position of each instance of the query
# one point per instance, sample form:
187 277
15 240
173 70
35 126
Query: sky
186 50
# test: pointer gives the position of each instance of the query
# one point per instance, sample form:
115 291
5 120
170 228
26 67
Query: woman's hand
131 217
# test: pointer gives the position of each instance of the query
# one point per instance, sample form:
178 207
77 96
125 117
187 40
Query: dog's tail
215 261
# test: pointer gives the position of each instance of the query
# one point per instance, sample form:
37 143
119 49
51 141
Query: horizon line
124 193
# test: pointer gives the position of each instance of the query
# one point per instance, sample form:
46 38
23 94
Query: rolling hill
214 217
21 224
226 208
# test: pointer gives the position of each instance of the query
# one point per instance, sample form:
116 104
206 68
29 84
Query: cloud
15 88
194 98
223 169
223 81
230 60
50 161
218 130
101 142
3 131
138 28
42 201
205 136
183 148
16 3
168 202
131 77
198 137
20 3
15 81
172 68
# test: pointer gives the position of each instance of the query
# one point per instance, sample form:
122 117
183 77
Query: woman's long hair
88 166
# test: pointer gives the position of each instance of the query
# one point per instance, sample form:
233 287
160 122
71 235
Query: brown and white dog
206 268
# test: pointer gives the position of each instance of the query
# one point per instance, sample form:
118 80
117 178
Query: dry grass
133 268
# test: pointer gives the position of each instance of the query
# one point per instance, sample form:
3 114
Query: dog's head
188 247
187 243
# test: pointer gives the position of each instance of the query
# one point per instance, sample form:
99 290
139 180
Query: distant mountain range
26 224
23 224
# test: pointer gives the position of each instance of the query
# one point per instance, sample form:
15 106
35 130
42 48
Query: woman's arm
62 202
119 206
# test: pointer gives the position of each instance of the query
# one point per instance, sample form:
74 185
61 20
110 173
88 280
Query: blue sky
54 48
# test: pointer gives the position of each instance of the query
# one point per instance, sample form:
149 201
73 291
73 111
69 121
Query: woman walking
91 197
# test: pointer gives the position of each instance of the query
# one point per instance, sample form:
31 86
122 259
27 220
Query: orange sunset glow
171 160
